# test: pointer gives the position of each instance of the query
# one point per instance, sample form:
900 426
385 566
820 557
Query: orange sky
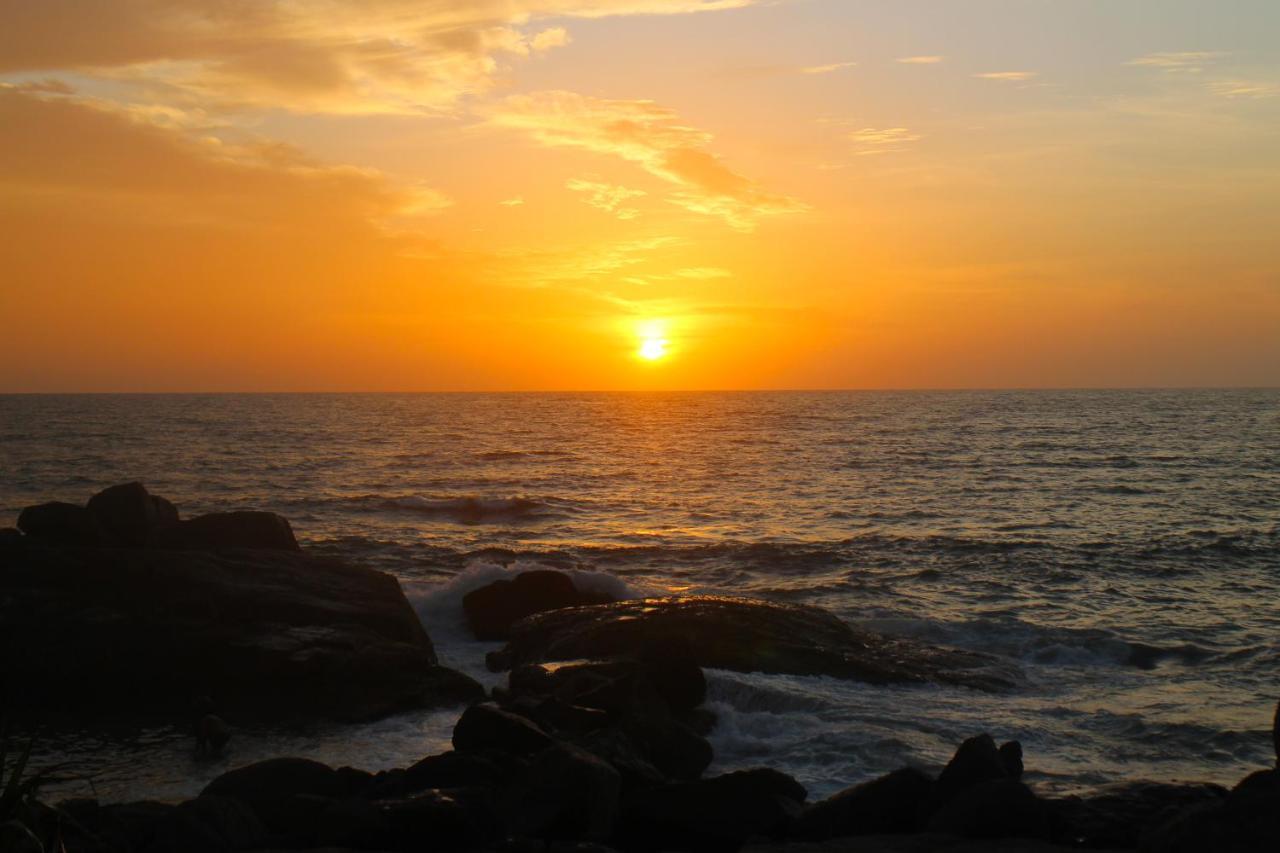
516 194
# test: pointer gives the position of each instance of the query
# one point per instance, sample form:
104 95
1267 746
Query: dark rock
232 820
1275 733
492 609
212 735
130 515
58 523
889 804
565 793
713 814
669 745
352 823
1011 757
1121 815
995 808
745 635
445 821
624 755
1247 819
446 770
486 726
244 529
976 761
554 715
11 537
673 668
273 790
269 634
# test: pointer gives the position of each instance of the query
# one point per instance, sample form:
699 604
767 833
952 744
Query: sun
652 349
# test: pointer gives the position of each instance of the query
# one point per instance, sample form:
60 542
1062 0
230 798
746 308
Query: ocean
1121 548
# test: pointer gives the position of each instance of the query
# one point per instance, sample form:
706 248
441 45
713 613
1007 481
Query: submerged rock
745 635
266 634
492 609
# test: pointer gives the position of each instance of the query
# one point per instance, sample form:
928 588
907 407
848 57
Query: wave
469 509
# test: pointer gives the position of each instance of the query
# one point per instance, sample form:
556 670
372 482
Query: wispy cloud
883 140
653 137
1008 76
828 68
1184 62
703 273
1244 88
921 60
610 198
512 202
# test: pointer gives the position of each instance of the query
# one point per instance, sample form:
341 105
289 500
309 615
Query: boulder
1011 758
745 635
485 726
11 537
1247 819
58 523
441 820
129 515
1275 733
976 761
994 808
218 530
710 815
269 635
1121 815
492 609
890 804
564 793
446 770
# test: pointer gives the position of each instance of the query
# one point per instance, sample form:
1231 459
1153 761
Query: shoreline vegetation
597 741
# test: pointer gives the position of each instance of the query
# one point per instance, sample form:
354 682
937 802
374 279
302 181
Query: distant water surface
1122 548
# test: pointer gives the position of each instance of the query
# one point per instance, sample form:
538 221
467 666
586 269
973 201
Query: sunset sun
653 349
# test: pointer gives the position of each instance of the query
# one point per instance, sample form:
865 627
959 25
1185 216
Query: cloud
827 69
306 56
653 137
512 202
703 273
876 140
1008 76
607 197
1244 89
921 60
1185 62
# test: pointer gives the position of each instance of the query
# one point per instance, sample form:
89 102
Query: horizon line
832 390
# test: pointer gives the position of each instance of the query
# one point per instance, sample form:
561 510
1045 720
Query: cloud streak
652 137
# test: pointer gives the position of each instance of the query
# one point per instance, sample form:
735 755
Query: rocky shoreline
597 741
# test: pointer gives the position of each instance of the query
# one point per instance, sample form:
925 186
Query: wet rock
59 523
744 635
215 531
485 726
624 755
271 789
268 634
1011 758
1121 815
565 793
492 609
717 814
889 804
995 808
129 515
669 745
446 770
441 820
976 761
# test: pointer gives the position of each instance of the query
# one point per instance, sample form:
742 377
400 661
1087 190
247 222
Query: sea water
1121 548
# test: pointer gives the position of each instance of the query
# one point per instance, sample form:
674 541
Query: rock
446 770
624 755
270 635
232 820
11 537
889 804
352 823
669 745
130 515
492 609
565 793
994 808
1275 733
672 667
976 761
215 531
212 735
1121 815
1246 820
713 814
744 635
487 727
271 788
58 523
1011 758
445 821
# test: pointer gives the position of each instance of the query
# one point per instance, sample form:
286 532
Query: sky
400 195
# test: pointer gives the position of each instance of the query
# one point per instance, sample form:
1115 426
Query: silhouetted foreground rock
746 635
493 608
266 632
